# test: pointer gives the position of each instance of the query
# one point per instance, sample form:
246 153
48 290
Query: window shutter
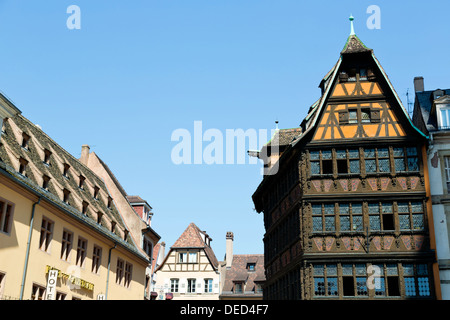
343 117
182 285
375 115
215 285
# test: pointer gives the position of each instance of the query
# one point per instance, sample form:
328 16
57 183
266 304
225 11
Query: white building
190 270
432 116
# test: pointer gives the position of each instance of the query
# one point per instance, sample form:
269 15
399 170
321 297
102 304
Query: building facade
242 274
431 116
62 236
190 270
135 212
346 207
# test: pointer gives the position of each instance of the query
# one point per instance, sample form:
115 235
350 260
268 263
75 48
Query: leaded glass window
319 286
383 160
406 159
353 155
374 216
323 217
325 280
417 282
410 287
332 286
412 158
365 115
370 160
344 216
361 286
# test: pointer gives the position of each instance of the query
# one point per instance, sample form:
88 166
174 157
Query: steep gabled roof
193 237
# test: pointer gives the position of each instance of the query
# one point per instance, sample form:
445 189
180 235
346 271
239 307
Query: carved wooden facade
347 214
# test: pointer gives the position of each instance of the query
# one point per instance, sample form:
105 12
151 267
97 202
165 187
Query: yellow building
57 214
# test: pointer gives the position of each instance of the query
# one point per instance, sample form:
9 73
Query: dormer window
113 226
47 154
23 166
66 194
81 184
45 181
109 202
99 217
25 140
96 190
251 266
443 112
84 207
66 170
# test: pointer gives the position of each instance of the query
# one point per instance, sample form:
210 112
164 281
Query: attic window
352 75
25 140
47 154
66 170
81 184
45 181
84 208
125 235
23 166
251 266
109 202
66 195
113 226
99 217
363 74
96 190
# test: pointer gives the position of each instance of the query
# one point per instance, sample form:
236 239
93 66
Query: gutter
77 216
109 267
28 248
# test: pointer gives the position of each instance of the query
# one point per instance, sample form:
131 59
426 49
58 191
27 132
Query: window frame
174 285
66 245
96 259
46 234
6 218
82 246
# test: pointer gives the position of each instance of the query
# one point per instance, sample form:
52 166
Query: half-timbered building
190 270
346 209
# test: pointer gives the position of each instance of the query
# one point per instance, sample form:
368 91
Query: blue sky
138 70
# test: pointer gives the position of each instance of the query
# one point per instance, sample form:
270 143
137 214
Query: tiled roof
192 238
11 151
239 272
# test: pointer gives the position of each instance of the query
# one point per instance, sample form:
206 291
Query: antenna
410 111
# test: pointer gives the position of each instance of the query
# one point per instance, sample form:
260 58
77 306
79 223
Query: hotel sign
51 285
68 278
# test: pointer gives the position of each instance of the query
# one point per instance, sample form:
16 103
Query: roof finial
352 30
276 123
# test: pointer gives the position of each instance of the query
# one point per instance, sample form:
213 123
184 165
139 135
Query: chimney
229 249
84 154
418 84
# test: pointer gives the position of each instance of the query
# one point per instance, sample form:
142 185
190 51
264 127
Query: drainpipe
109 267
28 249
